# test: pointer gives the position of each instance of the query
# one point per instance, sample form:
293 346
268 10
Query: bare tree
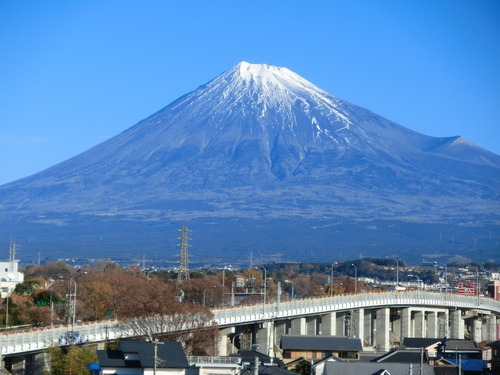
191 325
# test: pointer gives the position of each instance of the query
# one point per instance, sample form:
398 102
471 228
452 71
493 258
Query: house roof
274 370
320 342
400 356
446 370
450 344
248 356
495 344
419 342
371 368
169 355
462 345
268 370
115 358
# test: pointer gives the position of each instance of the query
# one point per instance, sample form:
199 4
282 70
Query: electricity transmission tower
184 257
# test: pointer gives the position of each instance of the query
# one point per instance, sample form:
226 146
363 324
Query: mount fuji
260 160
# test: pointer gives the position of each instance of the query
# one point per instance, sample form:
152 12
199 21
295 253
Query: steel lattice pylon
184 255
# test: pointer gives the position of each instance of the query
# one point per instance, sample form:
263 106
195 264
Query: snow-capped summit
255 94
268 78
261 141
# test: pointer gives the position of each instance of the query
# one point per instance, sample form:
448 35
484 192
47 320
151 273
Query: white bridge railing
311 306
15 342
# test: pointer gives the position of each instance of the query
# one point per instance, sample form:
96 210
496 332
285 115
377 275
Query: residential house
316 347
372 368
495 357
393 363
138 358
464 353
209 365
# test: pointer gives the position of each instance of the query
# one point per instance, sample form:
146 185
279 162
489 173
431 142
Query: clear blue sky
74 73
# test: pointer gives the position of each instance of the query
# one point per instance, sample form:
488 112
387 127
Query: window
348 355
313 355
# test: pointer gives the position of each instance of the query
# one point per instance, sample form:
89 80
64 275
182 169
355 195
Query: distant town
91 310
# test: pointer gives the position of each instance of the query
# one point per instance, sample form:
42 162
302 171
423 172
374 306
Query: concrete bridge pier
489 329
418 323
28 364
329 324
406 324
382 326
226 335
312 325
264 337
343 322
357 328
431 324
477 329
369 321
281 327
443 324
298 326
457 327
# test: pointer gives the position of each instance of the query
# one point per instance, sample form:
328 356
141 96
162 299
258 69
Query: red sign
467 287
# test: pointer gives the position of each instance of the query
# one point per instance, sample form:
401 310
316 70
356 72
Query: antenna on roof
12 255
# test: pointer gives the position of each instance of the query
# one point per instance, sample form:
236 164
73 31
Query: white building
9 273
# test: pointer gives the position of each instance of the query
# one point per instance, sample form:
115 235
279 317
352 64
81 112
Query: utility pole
72 299
155 359
355 278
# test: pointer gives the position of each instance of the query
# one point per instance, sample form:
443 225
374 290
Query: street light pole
355 278
7 302
223 285
7 312
397 277
331 281
265 288
293 287
477 285
52 281
445 283
419 283
73 304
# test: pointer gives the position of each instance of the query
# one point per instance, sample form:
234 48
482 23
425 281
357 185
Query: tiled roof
170 355
274 370
451 344
419 342
495 344
446 371
401 356
320 342
461 345
370 368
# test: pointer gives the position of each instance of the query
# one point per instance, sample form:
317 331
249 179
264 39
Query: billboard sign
467 287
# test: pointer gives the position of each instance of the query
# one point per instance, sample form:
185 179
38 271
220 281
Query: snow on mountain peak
269 90
271 76
249 71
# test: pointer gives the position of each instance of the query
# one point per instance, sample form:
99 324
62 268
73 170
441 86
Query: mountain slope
260 141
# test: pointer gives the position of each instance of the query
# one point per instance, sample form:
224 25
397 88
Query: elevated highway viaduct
380 320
